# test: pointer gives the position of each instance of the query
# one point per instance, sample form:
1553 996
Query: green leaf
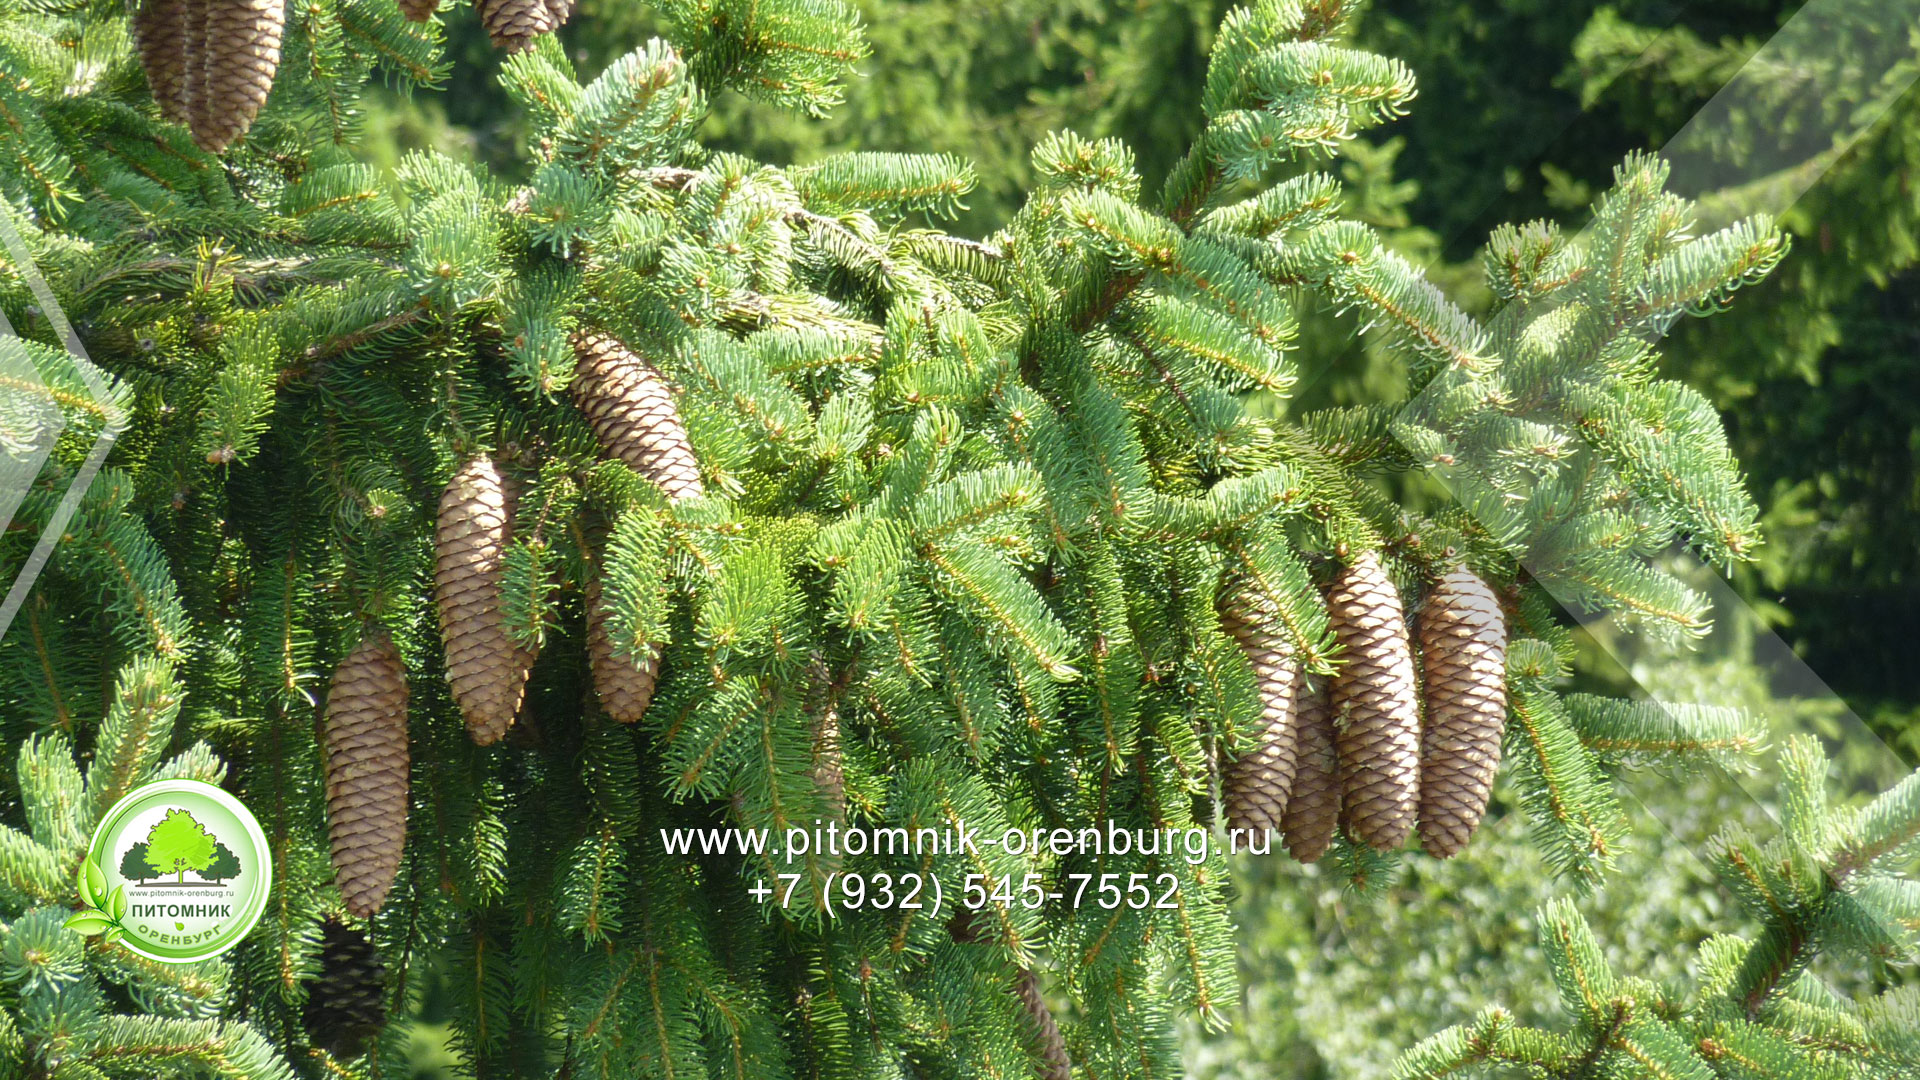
117 903
89 922
93 883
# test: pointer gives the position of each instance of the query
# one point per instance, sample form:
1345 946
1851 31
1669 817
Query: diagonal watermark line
96 385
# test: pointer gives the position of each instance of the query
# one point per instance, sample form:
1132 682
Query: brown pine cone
347 1004
419 10
1313 812
625 687
1376 707
1257 783
366 742
628 405
486 668
1463 643
514 24
160 30
1046 1034
241 54
193 62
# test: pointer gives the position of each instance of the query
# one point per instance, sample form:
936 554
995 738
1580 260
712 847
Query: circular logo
178 871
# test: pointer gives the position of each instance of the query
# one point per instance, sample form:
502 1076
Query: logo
177 872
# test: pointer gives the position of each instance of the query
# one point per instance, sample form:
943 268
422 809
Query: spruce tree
674 490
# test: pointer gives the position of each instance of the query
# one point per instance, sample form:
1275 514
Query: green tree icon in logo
134 864
178 844
225 864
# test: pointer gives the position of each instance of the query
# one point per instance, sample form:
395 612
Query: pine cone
419 10
366 738
160 30
1463 642
627 404
1313 812
1046 1034
486 668
241 54
346 1006
513 24
625 686
1257 783
1376 710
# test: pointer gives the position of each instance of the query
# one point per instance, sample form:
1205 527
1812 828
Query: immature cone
1376 710
486 668
1256 784
1463 643
346 1005
1313 811
628 405
625 685
160 31
366 743
419 10
1046 1034
513 24
240 54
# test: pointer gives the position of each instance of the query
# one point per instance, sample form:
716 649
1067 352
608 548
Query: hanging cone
366 743
1256 784
626 402
160 31
486 668
419 10
1052 1049
1463 645
346 1005
193 64
241 53
1377 713
514 24
625 686
1313 812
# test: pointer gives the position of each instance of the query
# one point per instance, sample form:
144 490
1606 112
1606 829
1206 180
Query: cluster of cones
630 409
1379 750
211 63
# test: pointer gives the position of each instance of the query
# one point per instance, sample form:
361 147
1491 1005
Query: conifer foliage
752 500
1756 1006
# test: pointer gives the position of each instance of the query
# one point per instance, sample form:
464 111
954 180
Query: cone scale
367 767
486 668
1256 785
624 684
1047 1041
346 1006
1376 707
239 55
626 402
513 25
160 32
1463 647
1313 811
